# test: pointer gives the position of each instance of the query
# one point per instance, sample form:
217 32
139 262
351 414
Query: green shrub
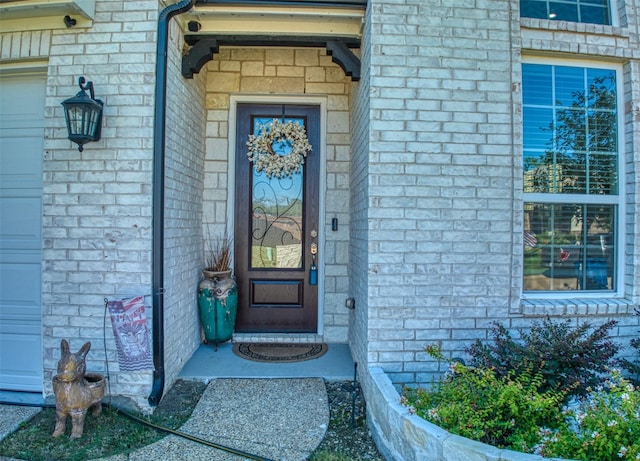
514 412
603 426
503 411
568 359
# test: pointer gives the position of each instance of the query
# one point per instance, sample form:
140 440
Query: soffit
294 18
23 15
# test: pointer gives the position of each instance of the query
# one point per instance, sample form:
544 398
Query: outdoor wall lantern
83 115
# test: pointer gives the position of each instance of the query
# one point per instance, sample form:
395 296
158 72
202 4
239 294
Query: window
592 11
571 178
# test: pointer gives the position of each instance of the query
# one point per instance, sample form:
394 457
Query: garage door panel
20 221
22 96
17 159
18 295
21 154
17 345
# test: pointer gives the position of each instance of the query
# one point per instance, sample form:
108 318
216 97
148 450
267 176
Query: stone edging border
401 436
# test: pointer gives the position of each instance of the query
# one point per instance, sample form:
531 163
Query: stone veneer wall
290 72
444 192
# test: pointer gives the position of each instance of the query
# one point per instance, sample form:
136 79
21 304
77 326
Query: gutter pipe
159 129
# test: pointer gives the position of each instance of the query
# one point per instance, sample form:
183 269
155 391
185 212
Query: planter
218 306
402 436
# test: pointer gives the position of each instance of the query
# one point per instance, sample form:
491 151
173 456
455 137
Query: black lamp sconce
83 115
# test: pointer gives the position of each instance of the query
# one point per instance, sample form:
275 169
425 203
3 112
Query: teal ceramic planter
218 306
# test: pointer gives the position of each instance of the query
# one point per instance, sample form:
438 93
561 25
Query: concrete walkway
276 419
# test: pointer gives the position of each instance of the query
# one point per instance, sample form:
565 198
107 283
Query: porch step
307 338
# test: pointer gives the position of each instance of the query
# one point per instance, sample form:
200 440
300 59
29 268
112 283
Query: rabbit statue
75 390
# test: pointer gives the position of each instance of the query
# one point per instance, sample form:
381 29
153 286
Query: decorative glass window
571 178
591 11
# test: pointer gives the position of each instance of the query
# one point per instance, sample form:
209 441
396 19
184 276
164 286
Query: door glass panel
276 207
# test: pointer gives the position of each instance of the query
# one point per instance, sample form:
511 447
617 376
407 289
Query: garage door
21 151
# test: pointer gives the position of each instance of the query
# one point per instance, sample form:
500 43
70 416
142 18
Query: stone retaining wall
401 436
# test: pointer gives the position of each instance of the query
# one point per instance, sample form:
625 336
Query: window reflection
588 11
277 205
570 150
569 247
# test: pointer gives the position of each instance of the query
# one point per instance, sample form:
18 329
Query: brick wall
440 178
444 175
359 190
291 72
184 181
96 204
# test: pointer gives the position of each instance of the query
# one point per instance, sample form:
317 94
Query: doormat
279 352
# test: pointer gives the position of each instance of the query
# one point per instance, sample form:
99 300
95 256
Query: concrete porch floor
207 363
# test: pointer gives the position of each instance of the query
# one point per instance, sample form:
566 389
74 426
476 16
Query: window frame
619 199
612 6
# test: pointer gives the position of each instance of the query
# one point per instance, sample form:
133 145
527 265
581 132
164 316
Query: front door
276 228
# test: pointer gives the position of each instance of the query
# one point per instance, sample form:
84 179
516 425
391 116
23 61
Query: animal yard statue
75 390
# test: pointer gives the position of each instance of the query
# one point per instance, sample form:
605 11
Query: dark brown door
276 224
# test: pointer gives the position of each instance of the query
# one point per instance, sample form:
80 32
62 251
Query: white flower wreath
262 155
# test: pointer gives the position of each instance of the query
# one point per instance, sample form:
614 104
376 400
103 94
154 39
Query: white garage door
21 151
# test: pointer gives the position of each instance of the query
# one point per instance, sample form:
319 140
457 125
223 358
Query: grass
33 440
109 434
325 455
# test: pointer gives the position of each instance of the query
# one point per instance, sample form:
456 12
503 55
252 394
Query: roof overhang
334 25
275 19
23 15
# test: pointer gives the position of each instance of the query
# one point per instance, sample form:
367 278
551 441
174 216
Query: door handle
313 269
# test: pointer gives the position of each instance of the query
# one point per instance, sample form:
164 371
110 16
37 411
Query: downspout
159 128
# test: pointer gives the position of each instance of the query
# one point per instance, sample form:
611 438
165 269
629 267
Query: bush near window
569 359
505 412
523 410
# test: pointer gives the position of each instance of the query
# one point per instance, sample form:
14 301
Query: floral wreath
262 155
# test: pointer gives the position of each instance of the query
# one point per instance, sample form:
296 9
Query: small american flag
530 240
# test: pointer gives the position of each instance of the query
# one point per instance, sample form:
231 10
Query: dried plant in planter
217 254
